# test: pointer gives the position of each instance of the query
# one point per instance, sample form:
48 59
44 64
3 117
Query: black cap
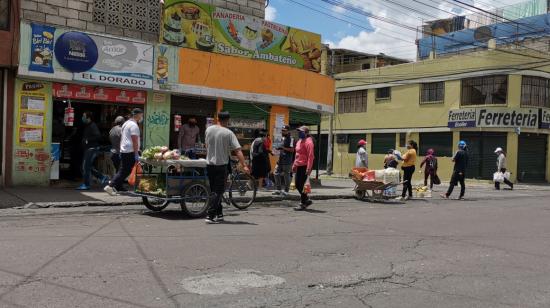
286 127
223 115
136 111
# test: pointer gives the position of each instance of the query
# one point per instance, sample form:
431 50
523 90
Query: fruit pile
162 153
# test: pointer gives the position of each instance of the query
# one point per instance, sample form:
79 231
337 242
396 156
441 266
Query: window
353 139
381 143
140 15
383 93
487 90
442 143
4 14
432 92
535 92
402 140
352 102
365 66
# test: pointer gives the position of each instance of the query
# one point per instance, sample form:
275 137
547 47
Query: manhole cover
229 282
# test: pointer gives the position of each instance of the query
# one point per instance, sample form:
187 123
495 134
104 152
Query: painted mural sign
187 23
494 117
42 48
157 121
31 119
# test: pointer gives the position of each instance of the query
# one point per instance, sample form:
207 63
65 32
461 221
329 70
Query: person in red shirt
303 164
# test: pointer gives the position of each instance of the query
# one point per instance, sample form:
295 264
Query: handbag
437 180
498 177
133 178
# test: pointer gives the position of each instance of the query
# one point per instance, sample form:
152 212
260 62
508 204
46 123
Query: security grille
142 15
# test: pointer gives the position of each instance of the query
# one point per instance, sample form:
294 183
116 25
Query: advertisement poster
166 66
74 91
32 110
120 63
157 120
187 23
55 157
42 47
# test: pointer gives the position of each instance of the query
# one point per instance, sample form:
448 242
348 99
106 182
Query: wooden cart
373 190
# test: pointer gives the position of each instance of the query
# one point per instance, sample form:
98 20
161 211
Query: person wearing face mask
91 138
115 134
303 164
187 137
284 165
129 151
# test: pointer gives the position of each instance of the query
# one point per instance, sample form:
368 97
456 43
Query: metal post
318 151
330 138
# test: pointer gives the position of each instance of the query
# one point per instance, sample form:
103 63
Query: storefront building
489 99
65 72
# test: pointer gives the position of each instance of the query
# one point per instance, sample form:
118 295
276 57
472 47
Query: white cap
498 150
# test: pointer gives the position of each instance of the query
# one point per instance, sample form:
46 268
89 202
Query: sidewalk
332 188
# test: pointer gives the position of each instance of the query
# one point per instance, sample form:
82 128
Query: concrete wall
79 14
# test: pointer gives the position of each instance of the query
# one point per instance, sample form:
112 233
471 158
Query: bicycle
241 188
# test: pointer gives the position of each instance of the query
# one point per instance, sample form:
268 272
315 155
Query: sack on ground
498 177
132 179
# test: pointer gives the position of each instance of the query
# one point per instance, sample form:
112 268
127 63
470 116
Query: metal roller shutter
240 110
532 158
481 156
301 117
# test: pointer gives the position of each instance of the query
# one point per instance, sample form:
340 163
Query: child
430 170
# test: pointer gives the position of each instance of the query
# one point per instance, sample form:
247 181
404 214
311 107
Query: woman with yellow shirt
409 161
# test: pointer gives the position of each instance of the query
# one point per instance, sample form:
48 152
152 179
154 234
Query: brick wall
79 14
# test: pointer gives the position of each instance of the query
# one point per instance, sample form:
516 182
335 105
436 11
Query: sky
362 33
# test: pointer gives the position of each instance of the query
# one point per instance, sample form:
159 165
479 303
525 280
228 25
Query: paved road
342 253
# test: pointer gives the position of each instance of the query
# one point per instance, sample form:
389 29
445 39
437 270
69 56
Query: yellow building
490 99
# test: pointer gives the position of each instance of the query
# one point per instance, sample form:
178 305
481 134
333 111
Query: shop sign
31 120
201 26
247 123
494 117
83 92
120 62
545 118
76 51
42 48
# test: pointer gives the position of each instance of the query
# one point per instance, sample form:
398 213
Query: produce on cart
168 176
375 184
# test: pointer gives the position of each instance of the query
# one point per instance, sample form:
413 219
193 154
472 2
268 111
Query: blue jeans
88 168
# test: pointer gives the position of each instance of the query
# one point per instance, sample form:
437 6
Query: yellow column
514 91
512 155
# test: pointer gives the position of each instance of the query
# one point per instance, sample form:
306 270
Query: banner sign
76 51
32 110
545 118
120 62
187 23
80 92
494 117
42 39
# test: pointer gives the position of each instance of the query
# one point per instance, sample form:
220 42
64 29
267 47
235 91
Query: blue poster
76 51
42 48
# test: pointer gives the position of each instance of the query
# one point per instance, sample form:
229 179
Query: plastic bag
132 179
498 177
307 187
507 175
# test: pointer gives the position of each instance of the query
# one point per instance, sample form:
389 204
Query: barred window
140 15
486 90
432 92
4 14
383 93
441 143
535 92
352 102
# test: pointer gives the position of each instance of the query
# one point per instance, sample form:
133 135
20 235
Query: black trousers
300 181
217 176
407 178
455 179
127 162
115 158
506 181
431 175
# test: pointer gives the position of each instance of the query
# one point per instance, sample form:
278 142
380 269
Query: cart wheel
195 200
155 204
360 194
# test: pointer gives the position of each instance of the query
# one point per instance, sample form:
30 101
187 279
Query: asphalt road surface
341 253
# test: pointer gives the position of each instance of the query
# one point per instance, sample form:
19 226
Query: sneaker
276 193
460 198
299 208
110 190
444 196
399 198
284 193
407 198
308 203
83 187
211 221
219 218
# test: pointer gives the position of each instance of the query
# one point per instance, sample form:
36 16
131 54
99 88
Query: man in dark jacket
91 138
459 172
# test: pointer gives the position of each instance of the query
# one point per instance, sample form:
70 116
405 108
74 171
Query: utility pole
330 138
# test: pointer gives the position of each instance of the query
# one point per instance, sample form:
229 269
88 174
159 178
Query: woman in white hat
501 167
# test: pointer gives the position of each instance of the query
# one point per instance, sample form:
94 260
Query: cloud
270 13
393 39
